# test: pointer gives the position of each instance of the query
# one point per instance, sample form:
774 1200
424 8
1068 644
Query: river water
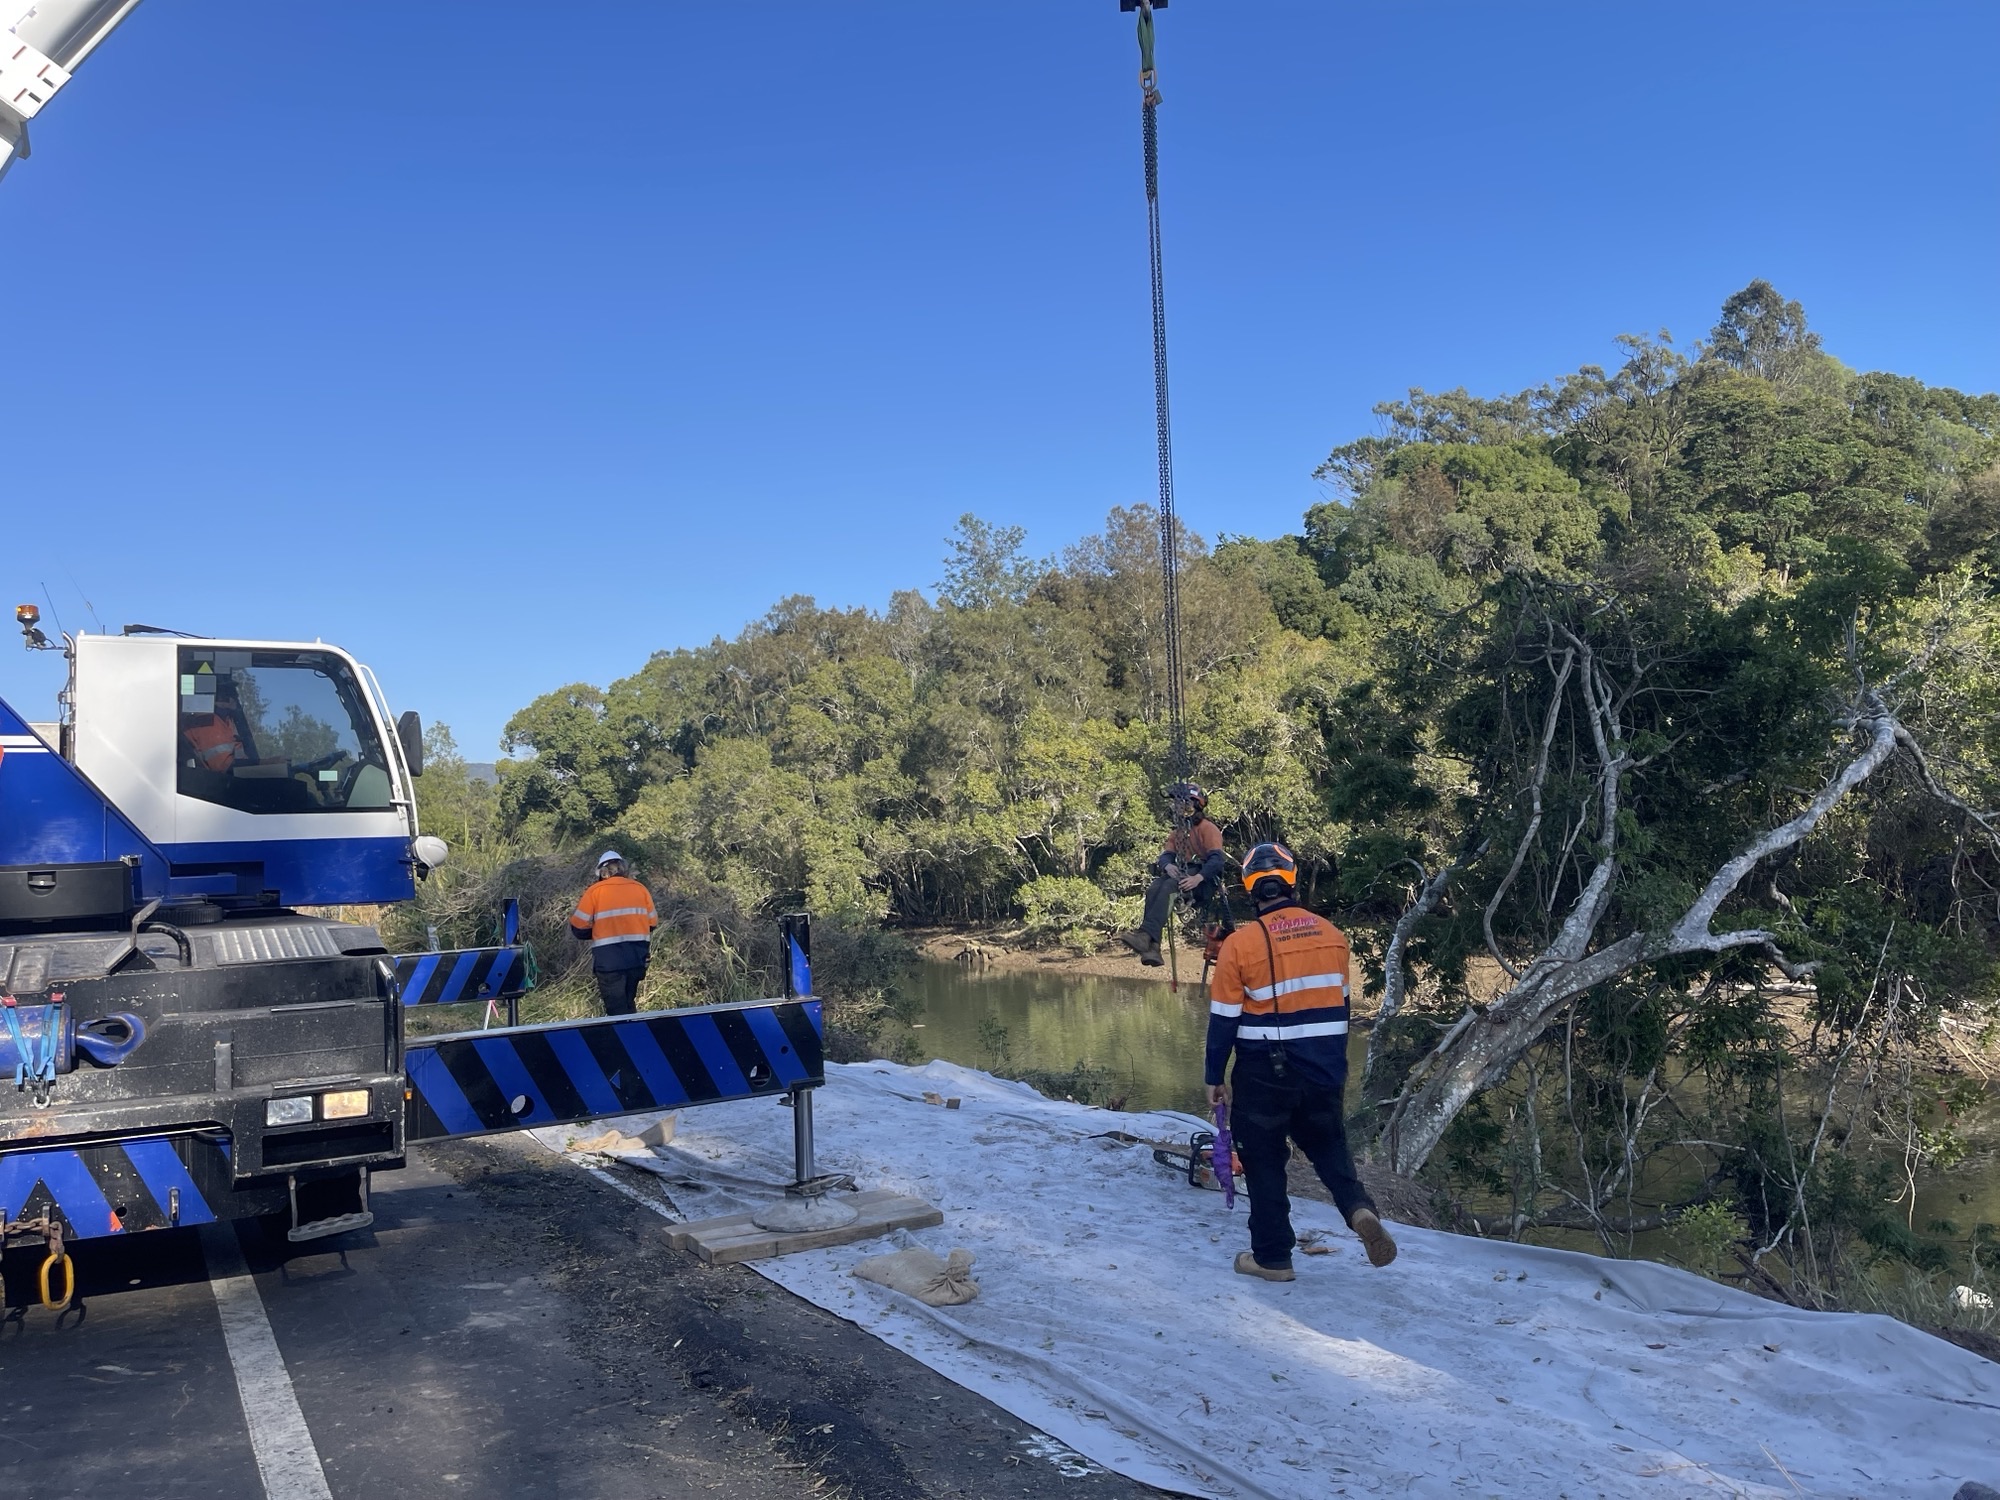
1149 1040
1145 1036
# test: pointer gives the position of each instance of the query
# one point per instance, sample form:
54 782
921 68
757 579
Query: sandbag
919 1273
615 1142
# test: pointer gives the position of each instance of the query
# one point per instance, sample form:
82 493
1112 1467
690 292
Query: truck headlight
295 1111
348 1104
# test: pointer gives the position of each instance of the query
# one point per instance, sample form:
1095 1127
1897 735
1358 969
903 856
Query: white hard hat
607 856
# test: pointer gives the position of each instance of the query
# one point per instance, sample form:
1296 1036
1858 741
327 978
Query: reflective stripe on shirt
628 938
1293 986
624 911
1217 1008
1290 1033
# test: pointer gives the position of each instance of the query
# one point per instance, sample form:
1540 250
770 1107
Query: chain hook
58 1258
1149 82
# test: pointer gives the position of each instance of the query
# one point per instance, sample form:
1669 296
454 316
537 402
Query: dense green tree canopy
1717 522
1538 657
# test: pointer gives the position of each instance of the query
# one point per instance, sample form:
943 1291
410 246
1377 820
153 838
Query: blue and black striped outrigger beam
463 974
154 1182
477 1083
472 1083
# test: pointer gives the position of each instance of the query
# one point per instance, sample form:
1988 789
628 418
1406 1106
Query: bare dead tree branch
1535 784
1694 932
1474 1057
1989 822
1395 977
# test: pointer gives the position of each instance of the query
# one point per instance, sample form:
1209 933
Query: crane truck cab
268 773
184 1043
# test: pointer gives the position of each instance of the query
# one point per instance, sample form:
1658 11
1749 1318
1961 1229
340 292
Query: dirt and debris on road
509 1326
859 1417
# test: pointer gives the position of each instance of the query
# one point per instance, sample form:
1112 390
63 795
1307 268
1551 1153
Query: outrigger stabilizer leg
807 1203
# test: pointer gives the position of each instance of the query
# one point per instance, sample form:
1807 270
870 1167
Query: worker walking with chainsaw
1279 1002
616 917
1190 865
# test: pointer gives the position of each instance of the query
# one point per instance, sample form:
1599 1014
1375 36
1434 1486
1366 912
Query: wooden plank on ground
734 1238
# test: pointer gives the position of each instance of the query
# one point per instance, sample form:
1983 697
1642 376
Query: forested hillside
995 748
1538 676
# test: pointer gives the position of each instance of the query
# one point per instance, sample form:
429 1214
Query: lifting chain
1170 588
58 1258
1179 768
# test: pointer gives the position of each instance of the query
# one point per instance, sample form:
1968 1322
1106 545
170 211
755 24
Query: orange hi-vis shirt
215 743
1199 846
1281 984
616 916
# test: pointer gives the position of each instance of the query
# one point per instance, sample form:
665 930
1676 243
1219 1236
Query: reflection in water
1145 1036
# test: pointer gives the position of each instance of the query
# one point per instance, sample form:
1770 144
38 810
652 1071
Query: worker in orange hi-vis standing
616 917
1279 1002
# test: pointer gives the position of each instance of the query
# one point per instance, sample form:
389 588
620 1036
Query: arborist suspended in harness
1189 866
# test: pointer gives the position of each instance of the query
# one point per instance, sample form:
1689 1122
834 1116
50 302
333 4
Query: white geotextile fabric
1110 1319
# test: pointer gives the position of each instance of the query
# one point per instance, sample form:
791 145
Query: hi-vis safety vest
616 914
214 742
1281 984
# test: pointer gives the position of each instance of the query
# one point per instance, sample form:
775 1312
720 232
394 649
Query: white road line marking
608 1180
633 1193
286 1459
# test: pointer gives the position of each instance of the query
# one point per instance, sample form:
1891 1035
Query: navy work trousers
1160 898
619 990
1268 1110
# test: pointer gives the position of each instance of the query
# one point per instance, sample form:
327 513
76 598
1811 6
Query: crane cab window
277 732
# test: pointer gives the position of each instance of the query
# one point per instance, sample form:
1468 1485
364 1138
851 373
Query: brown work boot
1374 1238
1144 944
1248 1265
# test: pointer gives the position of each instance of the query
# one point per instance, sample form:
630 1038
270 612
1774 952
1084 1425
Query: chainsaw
1198 1163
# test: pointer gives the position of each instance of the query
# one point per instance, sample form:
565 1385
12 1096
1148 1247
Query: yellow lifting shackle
58 1257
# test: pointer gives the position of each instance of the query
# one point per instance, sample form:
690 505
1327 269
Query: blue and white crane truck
180 1043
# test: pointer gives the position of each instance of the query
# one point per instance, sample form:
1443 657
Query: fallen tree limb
1395 982
1477 1056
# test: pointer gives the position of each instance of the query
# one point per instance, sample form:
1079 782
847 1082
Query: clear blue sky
504 349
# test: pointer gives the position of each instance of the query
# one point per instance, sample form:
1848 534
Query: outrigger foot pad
807 1206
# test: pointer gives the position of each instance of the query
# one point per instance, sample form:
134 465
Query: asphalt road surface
510 1326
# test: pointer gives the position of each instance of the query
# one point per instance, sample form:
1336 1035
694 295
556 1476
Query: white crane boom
39 50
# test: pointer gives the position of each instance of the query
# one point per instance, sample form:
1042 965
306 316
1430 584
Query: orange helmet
1266 864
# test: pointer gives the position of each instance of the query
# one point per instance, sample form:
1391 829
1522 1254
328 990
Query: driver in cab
216 741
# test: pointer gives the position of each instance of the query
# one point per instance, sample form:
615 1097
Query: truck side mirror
410 733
